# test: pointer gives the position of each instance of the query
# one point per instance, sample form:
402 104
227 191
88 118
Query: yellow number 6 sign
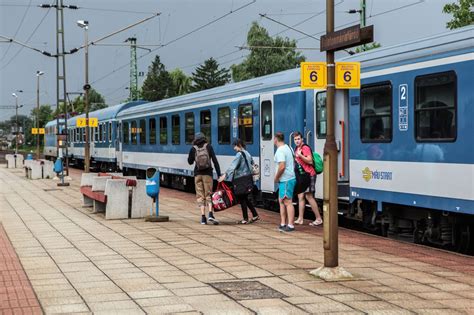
347 75
313 75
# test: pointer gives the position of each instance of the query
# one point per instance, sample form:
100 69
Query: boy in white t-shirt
286 180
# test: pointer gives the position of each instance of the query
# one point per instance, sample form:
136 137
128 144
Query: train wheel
463 238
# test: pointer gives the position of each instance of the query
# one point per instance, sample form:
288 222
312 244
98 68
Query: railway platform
57 257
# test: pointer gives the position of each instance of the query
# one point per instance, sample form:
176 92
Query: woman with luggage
240 173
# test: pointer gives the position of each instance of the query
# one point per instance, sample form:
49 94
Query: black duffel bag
243 185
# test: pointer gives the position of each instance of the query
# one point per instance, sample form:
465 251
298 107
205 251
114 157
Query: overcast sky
395 22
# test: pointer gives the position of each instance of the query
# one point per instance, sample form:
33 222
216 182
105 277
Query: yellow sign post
313 75
41 131
93 122
82 122
347 75
34 131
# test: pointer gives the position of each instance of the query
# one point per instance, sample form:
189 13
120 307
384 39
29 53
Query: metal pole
57 78
330 158
64 99
37 115
16 123
86 103
362 19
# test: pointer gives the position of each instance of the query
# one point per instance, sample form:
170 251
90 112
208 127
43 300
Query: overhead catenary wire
372 16
27 40
18 29
177 39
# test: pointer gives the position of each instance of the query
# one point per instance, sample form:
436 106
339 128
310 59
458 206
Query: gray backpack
203 160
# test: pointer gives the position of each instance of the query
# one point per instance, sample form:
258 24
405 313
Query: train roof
442 45
53 122
448 43
106 113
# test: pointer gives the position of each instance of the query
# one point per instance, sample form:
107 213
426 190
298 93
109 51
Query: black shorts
312 185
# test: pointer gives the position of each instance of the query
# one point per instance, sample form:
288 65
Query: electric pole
331 252
38 74
85 25
61 90
133 68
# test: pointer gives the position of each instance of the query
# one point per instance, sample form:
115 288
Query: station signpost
341 75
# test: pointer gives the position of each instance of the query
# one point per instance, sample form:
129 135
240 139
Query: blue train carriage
103 138
50 139
160 134
411 140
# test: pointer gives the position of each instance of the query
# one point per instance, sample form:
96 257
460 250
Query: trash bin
58 166
152 182
153 190
29 156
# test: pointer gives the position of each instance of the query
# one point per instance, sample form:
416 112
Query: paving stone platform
78 262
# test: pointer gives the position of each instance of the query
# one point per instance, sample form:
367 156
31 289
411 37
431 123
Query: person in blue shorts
286 180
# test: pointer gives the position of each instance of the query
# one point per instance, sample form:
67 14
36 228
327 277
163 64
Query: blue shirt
284 154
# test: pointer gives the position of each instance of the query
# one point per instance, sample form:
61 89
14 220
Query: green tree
45 115
96 102
208 75
367 47
25 124
462 11
281 55
158 83
181 82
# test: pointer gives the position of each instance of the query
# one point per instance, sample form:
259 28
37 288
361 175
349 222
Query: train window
76 135
246 123
376 113
110 131
104 133
83 133
142 131
435 107
266 120
134 132
321 115
152 130
125 132
175 136
223 121
189 128
96 134
206 124
164 130
101 135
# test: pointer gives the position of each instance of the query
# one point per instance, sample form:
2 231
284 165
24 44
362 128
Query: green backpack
317 161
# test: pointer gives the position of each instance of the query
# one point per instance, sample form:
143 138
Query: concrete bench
11 161
94 194
141 203
38 169
109 194
48 169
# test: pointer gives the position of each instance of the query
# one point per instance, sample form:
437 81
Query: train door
341 134
267 167
118 145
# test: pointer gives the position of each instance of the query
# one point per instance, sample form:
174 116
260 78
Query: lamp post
38 74
85 25
16 122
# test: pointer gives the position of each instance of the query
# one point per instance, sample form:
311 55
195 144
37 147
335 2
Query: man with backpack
201 154
307 166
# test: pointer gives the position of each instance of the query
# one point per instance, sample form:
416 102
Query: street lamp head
14 95
38 73
83 24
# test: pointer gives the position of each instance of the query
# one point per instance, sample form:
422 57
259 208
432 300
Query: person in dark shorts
303 156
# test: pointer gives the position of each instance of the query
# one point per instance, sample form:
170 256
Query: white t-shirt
284 154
